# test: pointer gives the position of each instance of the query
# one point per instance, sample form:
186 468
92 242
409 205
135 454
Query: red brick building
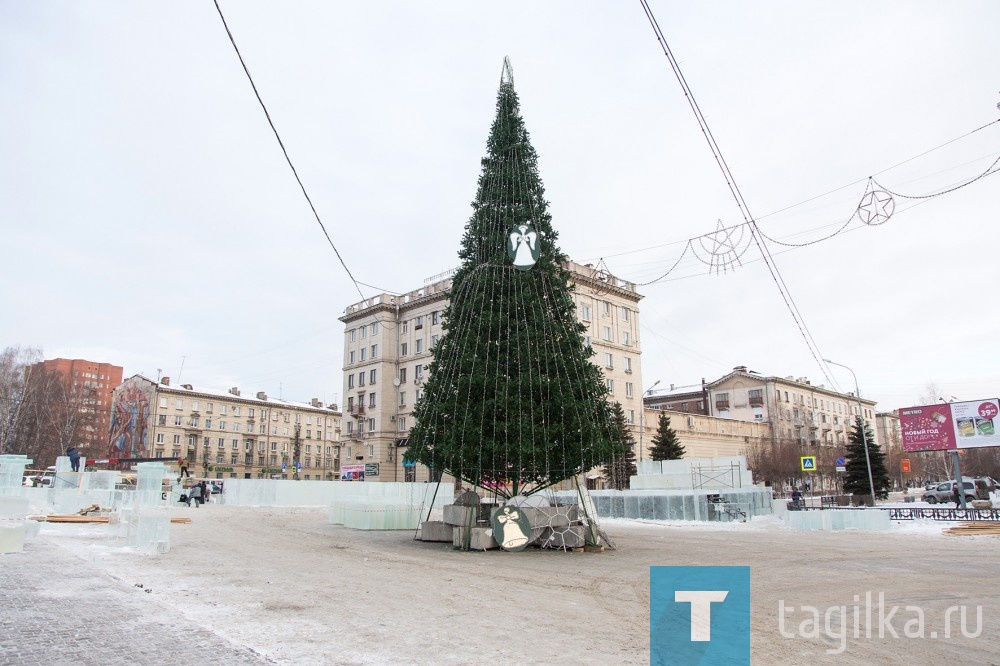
91 384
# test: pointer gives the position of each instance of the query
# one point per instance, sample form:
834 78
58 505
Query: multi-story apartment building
225 434
387 348
887 430
797 410
88 387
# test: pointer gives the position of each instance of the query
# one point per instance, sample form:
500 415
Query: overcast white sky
149 219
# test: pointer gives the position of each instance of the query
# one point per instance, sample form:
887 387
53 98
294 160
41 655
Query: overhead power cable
284 151
738 196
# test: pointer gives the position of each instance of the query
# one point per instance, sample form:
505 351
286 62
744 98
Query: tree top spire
507 74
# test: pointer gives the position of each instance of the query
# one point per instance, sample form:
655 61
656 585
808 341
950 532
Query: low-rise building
705 436
224 434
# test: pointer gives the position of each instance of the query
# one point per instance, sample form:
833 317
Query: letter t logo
701 610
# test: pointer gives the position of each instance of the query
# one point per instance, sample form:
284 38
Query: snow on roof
226 394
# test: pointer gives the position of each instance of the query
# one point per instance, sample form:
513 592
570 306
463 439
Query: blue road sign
841 462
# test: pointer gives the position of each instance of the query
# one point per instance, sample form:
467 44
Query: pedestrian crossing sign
808 463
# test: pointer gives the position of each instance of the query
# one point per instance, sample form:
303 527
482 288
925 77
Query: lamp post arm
861 422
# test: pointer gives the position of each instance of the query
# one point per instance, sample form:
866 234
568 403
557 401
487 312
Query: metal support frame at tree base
594 532
429 508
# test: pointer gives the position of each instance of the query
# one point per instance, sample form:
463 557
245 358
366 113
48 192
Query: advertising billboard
950 426
352 472
976 423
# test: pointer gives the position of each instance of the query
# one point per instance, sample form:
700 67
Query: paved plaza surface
249 585
56 608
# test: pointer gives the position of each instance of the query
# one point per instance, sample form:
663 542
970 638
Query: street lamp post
957 468
864 436
642 415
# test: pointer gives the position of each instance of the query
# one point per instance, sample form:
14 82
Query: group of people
199 493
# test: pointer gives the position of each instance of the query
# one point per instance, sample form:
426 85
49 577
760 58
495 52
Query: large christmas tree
856 478
512 401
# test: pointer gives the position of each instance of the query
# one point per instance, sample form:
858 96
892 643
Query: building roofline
227 395
785 380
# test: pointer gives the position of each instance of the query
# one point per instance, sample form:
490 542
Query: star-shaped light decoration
876 207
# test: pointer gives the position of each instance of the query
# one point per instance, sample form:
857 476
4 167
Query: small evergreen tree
856 477
619 470
666 445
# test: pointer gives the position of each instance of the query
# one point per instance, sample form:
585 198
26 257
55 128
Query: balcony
720 404
756 402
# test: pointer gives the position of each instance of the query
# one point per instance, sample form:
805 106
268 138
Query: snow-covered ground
289 585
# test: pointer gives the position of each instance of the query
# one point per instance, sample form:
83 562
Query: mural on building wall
130 419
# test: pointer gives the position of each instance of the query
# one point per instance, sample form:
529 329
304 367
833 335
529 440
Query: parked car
944 492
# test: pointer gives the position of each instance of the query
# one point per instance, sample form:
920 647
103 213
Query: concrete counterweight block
461 516
480 538
12 537
436 530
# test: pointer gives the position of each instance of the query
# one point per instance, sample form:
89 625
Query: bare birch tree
14 401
